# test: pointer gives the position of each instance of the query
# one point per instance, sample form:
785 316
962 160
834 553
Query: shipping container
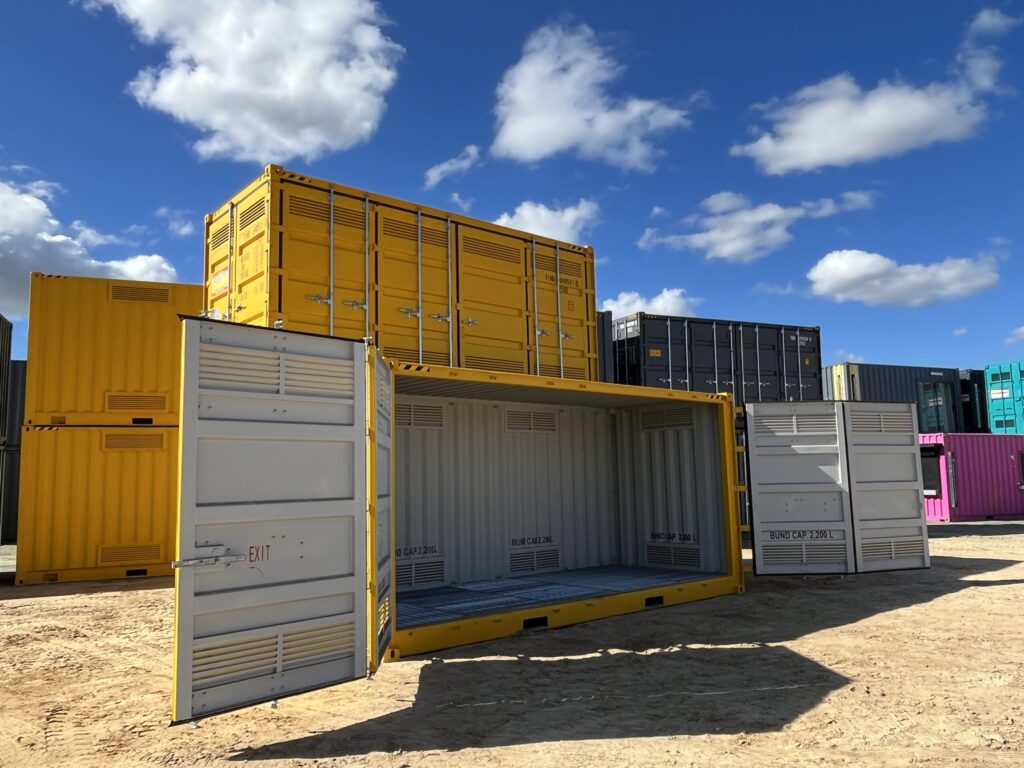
936 391
9 481
15 401
424 285
5 365
973 477
605 347
974 397
336 510
836 487
754 362
1005 398
96 503
105 352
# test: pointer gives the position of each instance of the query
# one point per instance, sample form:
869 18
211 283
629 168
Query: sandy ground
913 668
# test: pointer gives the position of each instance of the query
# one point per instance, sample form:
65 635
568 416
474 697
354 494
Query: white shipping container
836 487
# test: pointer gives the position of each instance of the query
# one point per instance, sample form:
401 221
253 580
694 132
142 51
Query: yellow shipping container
105 352
427 286
96 503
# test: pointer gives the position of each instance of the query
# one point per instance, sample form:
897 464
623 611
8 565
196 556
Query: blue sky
853 166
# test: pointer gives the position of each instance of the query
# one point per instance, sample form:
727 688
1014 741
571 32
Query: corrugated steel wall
504 489
901 384
981 477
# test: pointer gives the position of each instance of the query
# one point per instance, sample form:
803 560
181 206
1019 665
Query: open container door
381 524
271 574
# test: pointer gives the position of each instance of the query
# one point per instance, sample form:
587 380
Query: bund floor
449 603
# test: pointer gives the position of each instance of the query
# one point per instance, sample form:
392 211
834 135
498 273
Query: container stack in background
98 494
1005 398
12 402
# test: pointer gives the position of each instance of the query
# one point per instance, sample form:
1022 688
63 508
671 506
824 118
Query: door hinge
215 556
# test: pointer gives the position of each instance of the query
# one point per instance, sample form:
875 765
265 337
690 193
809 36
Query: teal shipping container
1005 398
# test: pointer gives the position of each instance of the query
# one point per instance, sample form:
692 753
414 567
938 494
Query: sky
855 166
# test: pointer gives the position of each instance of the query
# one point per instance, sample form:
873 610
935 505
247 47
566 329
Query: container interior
511 497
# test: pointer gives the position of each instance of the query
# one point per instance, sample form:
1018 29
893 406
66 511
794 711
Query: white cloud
464 204
962 331
873 279
464 161
657 211
837 123
178 222
555 99
843 356
730 227
998 241
87 237
265 80
32 240
566 224
1017 334
772 289
671 301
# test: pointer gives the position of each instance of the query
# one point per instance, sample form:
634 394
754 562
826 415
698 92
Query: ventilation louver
530 421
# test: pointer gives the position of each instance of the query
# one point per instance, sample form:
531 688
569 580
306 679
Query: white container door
889 523
271 579
799 488
381 481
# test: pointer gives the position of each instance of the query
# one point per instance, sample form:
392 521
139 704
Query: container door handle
410 311
355 305
317 298
542 332
441 318
213 558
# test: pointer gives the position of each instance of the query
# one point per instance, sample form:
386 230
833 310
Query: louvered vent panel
403 574
245 370
407 231
316 645
892 549
659 554
133 402
824 553
492 250
493 364
384 613
133 440
565 269
230 661
140 293
428 572
783 554
522 562
897 422
218 238
548 560
555 371
866 422
318 377
774 425
311 209
252 214
419 415
674 555
530 421
667 418
818 423
115 554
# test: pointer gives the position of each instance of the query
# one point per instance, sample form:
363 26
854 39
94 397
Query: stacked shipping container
8 441
10 453
1005 398
425 286
936 391
974 399
99 445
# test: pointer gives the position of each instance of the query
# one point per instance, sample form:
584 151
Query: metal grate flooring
432 606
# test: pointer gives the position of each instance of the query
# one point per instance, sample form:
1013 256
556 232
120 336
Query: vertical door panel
889 522
270 587
562 312
799 488
382 514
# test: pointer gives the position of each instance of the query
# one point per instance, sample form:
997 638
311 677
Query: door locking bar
217 556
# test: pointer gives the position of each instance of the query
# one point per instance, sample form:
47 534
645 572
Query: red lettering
259 553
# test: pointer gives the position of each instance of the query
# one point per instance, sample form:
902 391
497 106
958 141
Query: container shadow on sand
683 670
9 591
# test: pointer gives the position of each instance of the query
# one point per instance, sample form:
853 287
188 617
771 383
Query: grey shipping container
14 402
974 400
605 348
10 464
755 362
936 391
5 364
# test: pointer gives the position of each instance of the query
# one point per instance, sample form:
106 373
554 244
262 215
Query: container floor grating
432 606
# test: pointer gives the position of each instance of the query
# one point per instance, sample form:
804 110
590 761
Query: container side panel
105 352
1005 398
6 427
381 522
934 473
16 401
988 475
799 488
889 523
10 467
565 315
96 503
270 588
605 347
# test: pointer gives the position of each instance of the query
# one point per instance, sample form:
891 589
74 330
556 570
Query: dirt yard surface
913 668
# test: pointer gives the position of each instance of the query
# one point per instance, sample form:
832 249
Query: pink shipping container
972 476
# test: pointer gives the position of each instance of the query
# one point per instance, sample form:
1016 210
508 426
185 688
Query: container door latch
214 558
